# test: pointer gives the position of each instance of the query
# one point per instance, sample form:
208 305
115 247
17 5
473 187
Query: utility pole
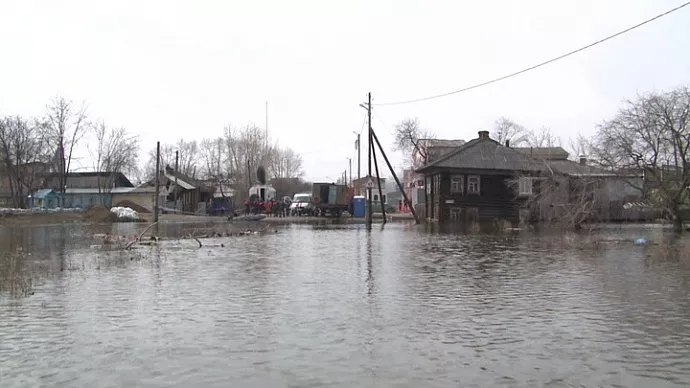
158 181
266 124
350 162
359 156
177 162
369 143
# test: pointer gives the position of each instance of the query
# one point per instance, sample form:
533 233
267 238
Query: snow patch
125 213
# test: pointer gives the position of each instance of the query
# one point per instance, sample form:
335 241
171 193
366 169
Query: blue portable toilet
359 205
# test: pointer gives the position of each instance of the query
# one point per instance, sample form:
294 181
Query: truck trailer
330 199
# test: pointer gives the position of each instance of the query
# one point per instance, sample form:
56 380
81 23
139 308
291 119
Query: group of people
270 207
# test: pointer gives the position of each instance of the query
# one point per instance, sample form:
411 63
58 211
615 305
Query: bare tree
115 151
560 200
247 151
580 146
65 125
652 135
408 138
507 130
216 166
285 163
21 153
188 158
543 138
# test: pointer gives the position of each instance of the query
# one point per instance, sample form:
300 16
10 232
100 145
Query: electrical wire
363 122
539 64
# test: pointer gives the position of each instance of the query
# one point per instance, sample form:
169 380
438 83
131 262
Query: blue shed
45 199
359 205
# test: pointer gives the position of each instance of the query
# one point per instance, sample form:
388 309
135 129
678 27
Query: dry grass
14 279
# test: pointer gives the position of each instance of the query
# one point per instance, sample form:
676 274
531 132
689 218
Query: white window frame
525 186
471 181
455 213
454 181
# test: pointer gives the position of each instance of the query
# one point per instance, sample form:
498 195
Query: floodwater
340 306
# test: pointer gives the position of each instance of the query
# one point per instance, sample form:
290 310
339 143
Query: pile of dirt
134 206
100 214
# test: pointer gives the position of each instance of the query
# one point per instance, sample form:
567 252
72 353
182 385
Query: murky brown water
343 307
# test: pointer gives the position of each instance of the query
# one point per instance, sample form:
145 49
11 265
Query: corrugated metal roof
548 153
116 190
486 154
42 193
180 182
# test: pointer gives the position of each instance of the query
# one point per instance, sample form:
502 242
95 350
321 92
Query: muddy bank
41 218
97 214
101 215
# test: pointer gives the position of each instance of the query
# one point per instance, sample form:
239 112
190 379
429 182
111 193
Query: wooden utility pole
395 176
359 156
177 166
158 181
370 217
349 183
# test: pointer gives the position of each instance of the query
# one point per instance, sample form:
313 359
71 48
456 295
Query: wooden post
158 181
400 186
371 147
378 182
177 158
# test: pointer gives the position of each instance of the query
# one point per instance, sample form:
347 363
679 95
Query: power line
363 122
539 64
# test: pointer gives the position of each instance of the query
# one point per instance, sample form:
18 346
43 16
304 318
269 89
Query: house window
456 184
455 213
473 184
525 186
376 197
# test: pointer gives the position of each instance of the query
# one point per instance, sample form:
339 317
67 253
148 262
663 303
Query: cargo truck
330 199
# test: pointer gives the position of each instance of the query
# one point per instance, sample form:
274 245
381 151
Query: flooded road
317 306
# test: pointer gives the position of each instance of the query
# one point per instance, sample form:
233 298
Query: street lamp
359 156
350 161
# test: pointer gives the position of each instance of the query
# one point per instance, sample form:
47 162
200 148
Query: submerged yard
337 305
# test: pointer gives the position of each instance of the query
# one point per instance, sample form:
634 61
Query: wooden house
425 152
472 183
483 180
184 193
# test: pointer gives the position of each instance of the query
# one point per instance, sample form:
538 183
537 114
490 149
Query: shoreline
61 218
42 218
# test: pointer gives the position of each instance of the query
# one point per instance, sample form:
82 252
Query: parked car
301 205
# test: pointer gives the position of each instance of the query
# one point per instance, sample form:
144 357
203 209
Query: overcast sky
169 69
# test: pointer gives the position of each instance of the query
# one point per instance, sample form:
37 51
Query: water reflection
343 305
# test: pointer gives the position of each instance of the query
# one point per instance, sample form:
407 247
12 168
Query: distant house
84 189
426 151
360 187
105 180
180 192
483 180
45 199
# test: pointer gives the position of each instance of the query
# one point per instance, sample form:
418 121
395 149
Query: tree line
229 160
649 135
33 149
